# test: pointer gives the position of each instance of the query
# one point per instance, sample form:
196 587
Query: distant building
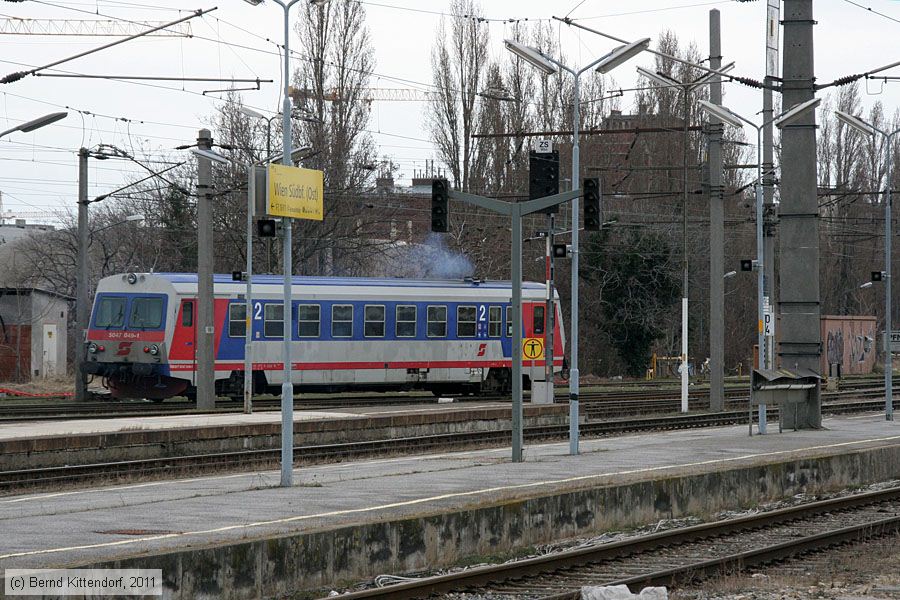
33 341
10 232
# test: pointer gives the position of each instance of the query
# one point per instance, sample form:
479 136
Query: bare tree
459 65
332 83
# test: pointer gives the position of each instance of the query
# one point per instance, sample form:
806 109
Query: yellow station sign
294 192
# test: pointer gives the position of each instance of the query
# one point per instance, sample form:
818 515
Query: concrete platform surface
22 430
95 525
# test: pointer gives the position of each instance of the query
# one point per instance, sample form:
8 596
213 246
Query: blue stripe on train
232 348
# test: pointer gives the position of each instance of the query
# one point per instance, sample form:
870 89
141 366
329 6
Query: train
348 334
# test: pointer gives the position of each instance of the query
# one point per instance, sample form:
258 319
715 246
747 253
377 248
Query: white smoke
432 259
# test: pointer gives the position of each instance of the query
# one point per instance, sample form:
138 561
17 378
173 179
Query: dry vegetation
862 571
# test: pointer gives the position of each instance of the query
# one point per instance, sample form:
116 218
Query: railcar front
129 336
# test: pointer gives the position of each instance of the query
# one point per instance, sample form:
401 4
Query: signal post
440 212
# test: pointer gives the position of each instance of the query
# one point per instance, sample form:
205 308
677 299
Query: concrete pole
801 340
769 218
716 228
82 278
574 373
760 262
684 285
248 339
888 357
518 437
206 392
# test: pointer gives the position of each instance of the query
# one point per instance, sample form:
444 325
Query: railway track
672 558
595 404
14 481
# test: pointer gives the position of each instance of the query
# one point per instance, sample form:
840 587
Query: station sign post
291 193
295 193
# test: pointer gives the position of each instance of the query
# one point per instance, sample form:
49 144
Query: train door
533 335
189 341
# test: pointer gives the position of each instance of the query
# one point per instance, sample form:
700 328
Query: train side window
437 321
538 321
308 320
273 320
237 320
342 320
187 314
509 322
374 321
465 321
406 321
495 318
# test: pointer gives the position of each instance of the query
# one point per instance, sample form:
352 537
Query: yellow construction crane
369 95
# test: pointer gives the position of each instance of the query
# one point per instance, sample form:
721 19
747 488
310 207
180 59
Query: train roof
278 280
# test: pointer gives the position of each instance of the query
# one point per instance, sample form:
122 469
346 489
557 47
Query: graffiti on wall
851 344
835 346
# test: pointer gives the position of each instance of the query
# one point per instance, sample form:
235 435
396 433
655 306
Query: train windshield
146 313
110 312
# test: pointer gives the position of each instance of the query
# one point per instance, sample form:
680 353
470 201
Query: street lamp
254 114
30 126
870 130
687 87
787 117
128 219
549 66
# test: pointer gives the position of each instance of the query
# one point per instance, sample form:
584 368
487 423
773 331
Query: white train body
347 333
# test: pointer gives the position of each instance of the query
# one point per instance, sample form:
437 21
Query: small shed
849 344
33 328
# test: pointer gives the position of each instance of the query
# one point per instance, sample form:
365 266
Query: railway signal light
238 276
267 228
440 206
877 276
748 264
543 176
591 188
561 250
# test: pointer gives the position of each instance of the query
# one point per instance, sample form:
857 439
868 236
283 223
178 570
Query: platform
69 427
92 441
243 535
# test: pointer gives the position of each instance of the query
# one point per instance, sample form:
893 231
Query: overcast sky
38 171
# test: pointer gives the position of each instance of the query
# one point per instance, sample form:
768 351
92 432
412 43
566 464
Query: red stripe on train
342 366
130 335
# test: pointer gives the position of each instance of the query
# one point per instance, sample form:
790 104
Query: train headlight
92 348
101 348
154 349
131 278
